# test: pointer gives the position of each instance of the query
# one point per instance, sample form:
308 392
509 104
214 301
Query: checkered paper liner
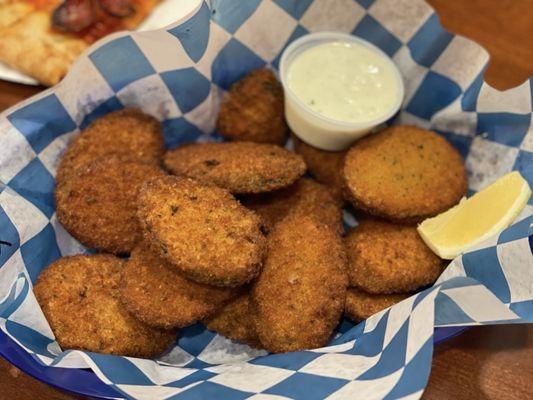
178 74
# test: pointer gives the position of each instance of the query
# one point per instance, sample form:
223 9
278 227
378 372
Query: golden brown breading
240 167
404 174
128 133
361 305
325 166
156 294
305 197
202 230
79 296
234 321
388 258
97 205
253 110
299 297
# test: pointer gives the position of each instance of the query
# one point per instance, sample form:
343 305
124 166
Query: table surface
493 362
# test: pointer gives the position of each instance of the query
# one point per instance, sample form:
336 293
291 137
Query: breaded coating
299 297
253 110
98 204
79 296
156 294
404 174
325 166
361 305
305 197
234 321
128 132
202 230
388 258
240 167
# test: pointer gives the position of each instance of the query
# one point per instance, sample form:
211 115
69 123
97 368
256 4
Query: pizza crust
32 48
12 11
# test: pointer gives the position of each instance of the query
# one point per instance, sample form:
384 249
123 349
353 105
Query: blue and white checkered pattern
178 75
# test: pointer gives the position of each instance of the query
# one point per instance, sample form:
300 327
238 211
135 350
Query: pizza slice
42 38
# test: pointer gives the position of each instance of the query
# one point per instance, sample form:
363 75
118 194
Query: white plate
166 13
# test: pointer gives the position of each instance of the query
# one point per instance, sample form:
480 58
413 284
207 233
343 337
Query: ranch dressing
344 81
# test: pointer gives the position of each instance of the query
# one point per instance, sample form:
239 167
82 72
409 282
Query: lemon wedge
477 218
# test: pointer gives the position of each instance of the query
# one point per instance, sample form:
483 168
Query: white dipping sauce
344 81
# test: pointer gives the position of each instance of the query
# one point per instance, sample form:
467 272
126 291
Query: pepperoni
117 8
74 15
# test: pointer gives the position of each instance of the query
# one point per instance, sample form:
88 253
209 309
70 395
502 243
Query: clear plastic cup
316 129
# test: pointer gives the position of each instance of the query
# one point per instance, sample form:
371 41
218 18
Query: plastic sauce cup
316 129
